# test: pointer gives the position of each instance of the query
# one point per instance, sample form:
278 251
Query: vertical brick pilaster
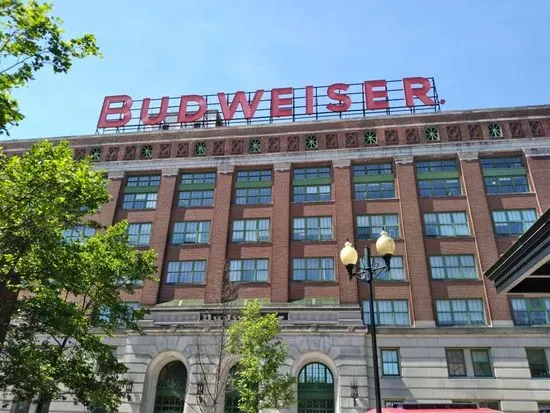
540 179
279 271
106 215
219 228
413 234
161 228
349 292
481 224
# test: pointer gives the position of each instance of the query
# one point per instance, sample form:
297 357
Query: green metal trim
254 184
195 187
437 175
373 178
315 391
140 189
504 172
314 181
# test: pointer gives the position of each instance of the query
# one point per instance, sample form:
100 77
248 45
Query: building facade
272 206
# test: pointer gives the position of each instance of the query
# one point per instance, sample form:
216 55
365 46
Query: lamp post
385 246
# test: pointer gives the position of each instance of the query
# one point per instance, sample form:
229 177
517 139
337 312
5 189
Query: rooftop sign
121 113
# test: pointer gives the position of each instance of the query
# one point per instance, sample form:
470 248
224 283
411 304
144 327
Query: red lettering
418 92
345 100
309 100
373 98
155 119
277 101
124 111
240 99
185 117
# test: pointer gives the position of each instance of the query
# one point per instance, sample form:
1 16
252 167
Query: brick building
275 203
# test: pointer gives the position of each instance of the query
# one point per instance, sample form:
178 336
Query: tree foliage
254 339
30 38
60 298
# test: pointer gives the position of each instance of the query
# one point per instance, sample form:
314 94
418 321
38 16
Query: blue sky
489 53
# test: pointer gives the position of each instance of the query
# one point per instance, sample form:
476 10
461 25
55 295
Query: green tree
59 298
254 339
29 40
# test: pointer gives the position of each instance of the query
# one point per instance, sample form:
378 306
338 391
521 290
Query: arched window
170 396
231 404
315 389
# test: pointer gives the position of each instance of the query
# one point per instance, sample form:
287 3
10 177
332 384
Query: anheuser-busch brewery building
270 184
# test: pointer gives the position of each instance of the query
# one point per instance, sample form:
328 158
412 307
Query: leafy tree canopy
254 339
30 38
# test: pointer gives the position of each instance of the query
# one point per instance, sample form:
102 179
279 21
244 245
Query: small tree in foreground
254 339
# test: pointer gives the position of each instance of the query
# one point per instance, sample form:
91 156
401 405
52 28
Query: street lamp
385 246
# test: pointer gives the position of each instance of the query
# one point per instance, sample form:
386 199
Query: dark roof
525 266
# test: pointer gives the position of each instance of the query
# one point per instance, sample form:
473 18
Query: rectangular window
396 272
453 267
481 361
191 232
250 230
456 364
374 190
199 198
506 184
446 224
531 311
311 193
142 181
390 362
251 196
248 270
147 200
538 364
513 221
311 173
312 229
370 226
198 178
313 269
186 272
460 312
139 234
502 162
388 312
372 169
439 187
445 165
311 184
254 176
78 233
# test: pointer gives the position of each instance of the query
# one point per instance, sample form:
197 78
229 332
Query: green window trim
391 365
313 181
254 184
316 301
437 175
140 189
190 187
504 171
481 362
373 178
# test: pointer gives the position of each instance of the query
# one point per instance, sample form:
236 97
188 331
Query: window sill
319 282
196 207
314 241
331 202
450 238
376 199
181 285
190 245
251 243
521 194
391 377
460 280
267 205
251 283
443 197
138 209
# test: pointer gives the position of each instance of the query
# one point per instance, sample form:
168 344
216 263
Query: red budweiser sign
316 102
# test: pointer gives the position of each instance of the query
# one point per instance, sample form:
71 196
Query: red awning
398 410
